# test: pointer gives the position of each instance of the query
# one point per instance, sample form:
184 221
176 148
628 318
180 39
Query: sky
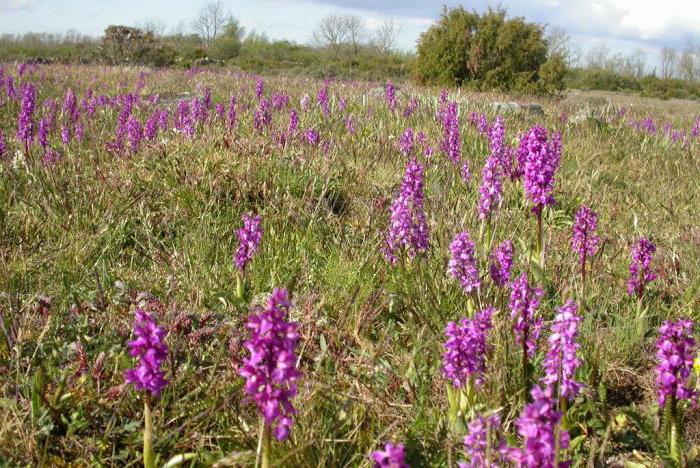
621 25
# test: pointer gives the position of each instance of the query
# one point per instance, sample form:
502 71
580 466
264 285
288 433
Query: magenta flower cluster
323 100
675 351
466 348
393 456
259 88
498 147
523 304
248 240
501 263
478 445
451 138
561 362
390 95
271 371
462 264
232 116
490 190
263 116
408 228
3 145
641 273
150 349
312 137
410 108
538 160
537 425
584 241
25 121
406 142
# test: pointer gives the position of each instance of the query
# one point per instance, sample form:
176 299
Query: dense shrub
669 88
228 44
48 47
601 79
649 86
124 44
486 51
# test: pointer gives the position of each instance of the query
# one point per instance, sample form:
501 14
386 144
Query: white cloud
16 5
632 19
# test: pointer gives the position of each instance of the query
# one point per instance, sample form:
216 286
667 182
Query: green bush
601 79
648 86
552 73
669 88
486 51
228 45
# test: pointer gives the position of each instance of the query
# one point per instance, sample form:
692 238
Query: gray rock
503 107
534 109
506 106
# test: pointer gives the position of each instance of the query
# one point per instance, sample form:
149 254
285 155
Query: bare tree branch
153 26
336 31
386 36
331 33
210 22
668 62
558 41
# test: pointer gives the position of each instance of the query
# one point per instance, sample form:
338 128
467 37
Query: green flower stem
148 454
266 444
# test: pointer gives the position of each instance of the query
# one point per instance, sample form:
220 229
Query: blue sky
623 25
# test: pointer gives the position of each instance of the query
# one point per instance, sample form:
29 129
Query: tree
488 51
124 44
153 26
689 62
598 57
551 74
573 59
637 63
385 37
228 44
558 42
355 32
668 62
330 33
210 22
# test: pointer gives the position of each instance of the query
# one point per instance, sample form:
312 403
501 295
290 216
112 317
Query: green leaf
657 443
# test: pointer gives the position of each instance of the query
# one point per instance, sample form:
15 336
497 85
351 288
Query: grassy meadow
91 233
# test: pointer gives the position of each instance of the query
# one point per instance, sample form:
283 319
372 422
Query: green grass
95 231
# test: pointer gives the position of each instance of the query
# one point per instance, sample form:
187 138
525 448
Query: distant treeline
463 48
256 53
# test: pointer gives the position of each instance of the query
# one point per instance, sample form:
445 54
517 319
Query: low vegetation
152 221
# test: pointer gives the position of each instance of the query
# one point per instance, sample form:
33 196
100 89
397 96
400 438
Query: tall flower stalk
641 273
524 301
25 121
561 362
482 444
584 241
464 362
248 241
501 262
675 351
271 371
543 438
390 96
538 160
150 349
408 228
462 264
